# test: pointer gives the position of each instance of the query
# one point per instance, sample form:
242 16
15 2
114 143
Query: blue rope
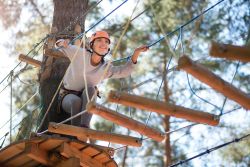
18 72
26 55
195 124
6 134
163 76
211 150
194 93
225 100
44 40
179 28
185 24
80 35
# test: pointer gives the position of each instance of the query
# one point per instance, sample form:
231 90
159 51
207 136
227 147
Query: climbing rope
180 36
32 50
168 64
78 18
178 28
98 22
20 71
125 29
211 150
53 35
20 109
184 127
83 37
6 134
11 102
161 84
194 93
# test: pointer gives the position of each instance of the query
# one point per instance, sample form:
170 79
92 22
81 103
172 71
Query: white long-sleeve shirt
74 76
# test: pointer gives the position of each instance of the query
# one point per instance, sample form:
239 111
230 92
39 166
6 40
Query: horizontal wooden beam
125 121
33 151
54 53
81 132
163 108
209 78
230 52
68 151
30 60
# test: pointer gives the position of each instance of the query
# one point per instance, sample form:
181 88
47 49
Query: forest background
24 23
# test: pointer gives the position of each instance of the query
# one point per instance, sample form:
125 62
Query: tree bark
168 158
125 155
65 13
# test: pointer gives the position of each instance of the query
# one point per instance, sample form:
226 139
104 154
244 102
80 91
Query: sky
6 64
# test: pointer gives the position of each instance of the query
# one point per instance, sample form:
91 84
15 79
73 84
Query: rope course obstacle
73 150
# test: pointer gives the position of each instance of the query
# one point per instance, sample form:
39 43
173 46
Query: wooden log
30 60
163 108
54 53
93 134
33 151
125 121
209 78
231 52
68 152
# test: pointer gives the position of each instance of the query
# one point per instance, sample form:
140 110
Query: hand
62 43
137 52
140 49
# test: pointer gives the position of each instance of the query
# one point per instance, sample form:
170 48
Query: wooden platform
56 151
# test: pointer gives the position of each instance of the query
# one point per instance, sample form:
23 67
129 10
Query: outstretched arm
137 52
126 69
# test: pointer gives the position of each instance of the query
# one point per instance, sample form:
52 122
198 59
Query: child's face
101 45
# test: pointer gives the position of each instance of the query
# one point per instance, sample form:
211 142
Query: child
86 70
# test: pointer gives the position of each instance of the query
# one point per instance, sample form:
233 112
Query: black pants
74 104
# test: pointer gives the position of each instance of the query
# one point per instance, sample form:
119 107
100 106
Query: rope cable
225 99
20 109
46 37
185 24
20 71
178 28
210 150
187 126
6 134
206 101
26 55
80 35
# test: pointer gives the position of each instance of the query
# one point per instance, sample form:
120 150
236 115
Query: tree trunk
125 155
168 157
167 142
52 72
